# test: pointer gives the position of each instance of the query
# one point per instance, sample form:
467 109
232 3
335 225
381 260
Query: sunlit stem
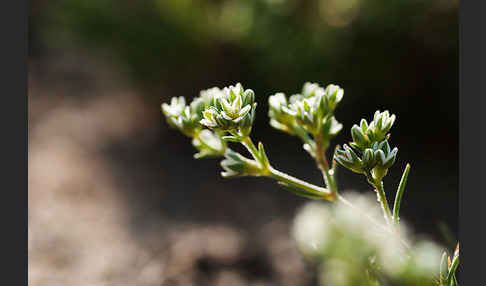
283 177
384 203
328 174
280 176
248 143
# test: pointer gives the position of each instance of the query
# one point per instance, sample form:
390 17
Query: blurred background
115 197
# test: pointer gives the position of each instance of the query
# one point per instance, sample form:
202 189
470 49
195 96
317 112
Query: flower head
181 116
365 135
231 108
374 161
311 110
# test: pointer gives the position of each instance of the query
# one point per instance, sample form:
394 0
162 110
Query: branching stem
283 177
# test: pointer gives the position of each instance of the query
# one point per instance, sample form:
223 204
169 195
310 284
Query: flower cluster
349 240
181 116
370 153
311 111
232 108
186 118
366 134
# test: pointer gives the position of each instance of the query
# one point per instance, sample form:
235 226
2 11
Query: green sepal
263 155
231 138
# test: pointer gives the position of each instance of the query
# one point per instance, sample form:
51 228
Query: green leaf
263 155
453 268
443 267
300 192
454 280
398 197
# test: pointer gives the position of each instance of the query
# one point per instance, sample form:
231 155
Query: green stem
248 143
383 201
328 176
302 134
280 176
283 177
398 197
320 156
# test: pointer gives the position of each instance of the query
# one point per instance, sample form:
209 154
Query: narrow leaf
300 192
398 197
453 268
443 267
263 155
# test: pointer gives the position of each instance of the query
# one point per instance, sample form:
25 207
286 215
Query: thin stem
384 203
248 143
320 157
398 197
283 177
303 136
280 176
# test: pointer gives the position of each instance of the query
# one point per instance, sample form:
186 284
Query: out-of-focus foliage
271 42
390 53
350 250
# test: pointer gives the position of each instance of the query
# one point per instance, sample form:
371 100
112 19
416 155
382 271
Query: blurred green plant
351 245
270 43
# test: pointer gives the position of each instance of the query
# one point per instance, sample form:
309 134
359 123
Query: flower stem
248 143
280 176
320 157
283 177
384 203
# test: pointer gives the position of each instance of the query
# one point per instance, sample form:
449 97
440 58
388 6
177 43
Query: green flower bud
385 158
334 95
235 165
348 159
360 139
203 101
331 126
381 124
369 160
364 125
296 97
309 89
305 113
364 135
176 107
279 119
308 110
